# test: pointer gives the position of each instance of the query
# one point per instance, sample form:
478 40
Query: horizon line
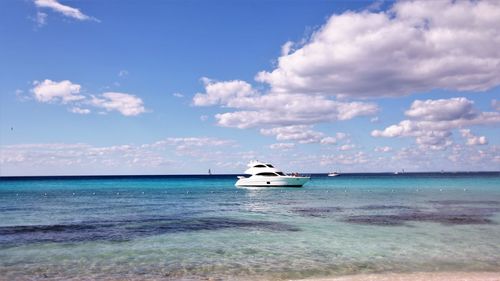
234 174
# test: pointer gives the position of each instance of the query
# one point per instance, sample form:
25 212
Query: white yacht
265 174
333 174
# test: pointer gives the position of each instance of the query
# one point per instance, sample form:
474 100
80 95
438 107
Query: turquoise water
199 227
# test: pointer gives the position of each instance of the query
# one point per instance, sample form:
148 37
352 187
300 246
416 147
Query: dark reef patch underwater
447 212
125 230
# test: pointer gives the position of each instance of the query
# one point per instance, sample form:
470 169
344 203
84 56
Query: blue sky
169 87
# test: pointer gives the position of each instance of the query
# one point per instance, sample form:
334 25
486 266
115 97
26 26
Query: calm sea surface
202 227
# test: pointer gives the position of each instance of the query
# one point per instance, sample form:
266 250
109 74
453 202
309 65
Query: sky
92 87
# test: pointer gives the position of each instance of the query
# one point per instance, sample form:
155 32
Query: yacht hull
283 181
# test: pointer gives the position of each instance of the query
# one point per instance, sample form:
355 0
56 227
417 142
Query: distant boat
334 174
209 172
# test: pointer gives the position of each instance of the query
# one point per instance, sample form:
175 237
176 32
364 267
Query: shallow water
197 227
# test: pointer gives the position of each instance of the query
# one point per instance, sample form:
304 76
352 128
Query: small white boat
333 174
265 174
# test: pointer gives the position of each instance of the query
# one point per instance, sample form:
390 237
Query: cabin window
269 165
267 174
280 173
259 166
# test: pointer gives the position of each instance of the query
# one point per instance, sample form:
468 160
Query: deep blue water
195 227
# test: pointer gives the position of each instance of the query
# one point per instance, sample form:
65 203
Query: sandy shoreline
417 276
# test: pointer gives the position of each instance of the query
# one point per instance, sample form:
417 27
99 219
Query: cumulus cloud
495 104
226 93
68 93
59 157
286 48
432 121
346 147
67 11
472 139
442 109
457 158
51 91
301 134
357 158
122 73
126 104
383 149
78 158
328 140
260 110
282 146
79 110
41 19
195 142
414 46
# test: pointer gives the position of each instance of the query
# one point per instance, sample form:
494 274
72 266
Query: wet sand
418 276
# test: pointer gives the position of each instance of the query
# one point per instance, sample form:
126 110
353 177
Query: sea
201 227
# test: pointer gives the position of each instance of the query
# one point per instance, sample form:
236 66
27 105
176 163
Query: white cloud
432 121
472 139
413 47
301 134
122 73
59 158
197 141
79 110
178 95
495 104
442 109
194 145
264 110
457 158
51 91
341 135
282 146
126 104
226 92
63 9
66 92
81 158
382 149
328 140
286 48
346 147
357 158
41 19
